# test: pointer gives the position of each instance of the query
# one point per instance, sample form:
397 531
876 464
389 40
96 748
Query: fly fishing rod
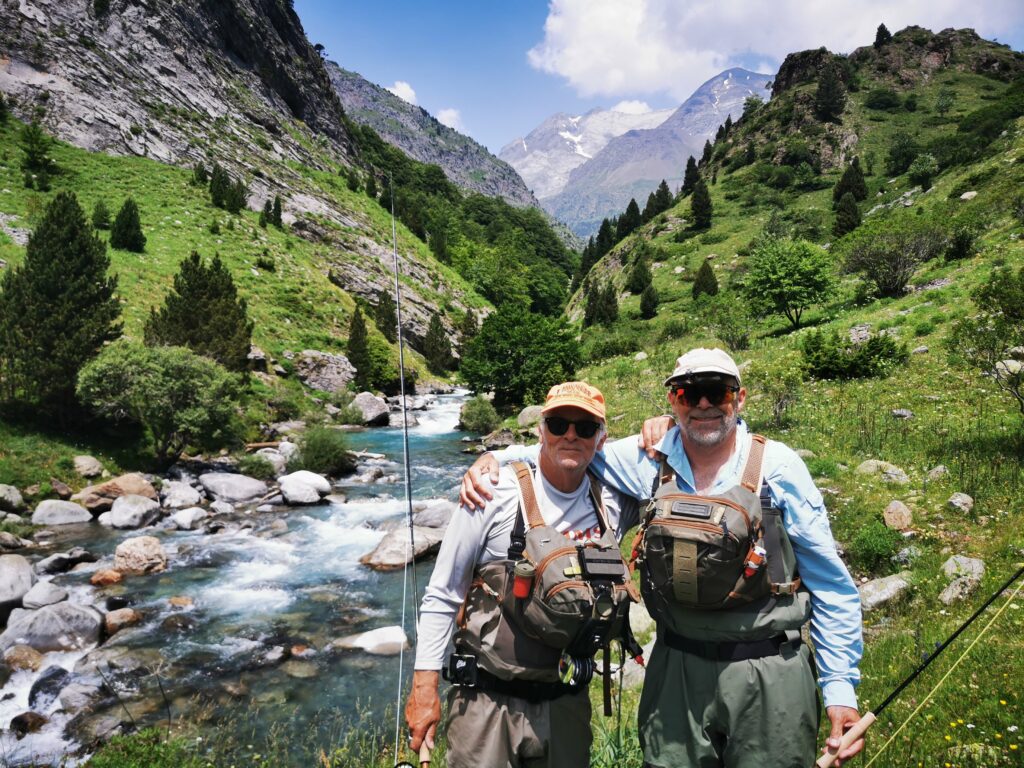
858 728
411 544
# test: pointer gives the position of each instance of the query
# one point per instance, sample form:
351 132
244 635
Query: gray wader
729 682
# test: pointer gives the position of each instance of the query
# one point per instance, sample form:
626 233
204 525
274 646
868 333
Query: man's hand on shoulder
653 430
478 482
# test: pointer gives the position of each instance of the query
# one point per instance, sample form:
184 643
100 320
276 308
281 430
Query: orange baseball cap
576 394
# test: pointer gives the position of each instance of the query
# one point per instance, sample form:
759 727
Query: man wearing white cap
736 555
521 666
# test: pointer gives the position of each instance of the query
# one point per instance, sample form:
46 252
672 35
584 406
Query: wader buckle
786 588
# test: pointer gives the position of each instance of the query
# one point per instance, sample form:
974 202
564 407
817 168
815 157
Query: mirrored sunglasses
717 392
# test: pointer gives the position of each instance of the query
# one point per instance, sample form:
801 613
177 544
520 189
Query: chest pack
721 553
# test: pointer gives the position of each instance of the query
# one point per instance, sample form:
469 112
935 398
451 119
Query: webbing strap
524 475
751 479
771 518
684 571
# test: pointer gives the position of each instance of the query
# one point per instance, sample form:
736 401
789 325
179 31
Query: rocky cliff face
633 164
417 133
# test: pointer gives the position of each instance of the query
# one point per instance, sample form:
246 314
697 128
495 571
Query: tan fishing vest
720 568
567 608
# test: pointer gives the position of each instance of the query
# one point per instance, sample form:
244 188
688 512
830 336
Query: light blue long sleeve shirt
835 602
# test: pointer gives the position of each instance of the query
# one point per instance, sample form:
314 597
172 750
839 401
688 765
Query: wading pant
700 713
490 730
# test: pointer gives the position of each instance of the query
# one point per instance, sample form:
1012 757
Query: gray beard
714 438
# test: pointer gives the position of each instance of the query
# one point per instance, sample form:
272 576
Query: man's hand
475 492
842 719
652 432
423 709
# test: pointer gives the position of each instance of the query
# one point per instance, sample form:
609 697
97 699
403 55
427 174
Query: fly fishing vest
720 568
577 601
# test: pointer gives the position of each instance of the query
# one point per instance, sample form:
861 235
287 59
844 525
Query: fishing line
410 546
950 671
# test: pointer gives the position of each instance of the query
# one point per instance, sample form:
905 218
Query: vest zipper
712 500
563 586
710 527
551 556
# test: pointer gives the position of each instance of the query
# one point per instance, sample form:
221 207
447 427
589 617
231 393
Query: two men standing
736 555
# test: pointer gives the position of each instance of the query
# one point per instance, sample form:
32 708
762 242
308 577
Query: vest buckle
786 588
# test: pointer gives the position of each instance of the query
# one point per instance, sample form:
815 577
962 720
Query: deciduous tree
787 277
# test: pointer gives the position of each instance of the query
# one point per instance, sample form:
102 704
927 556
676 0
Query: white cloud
452 118
632 107
623 47
404 91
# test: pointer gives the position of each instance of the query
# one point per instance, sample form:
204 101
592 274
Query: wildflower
1013 747
1012 729
970 725
1003 702
960 720
948 737
999 735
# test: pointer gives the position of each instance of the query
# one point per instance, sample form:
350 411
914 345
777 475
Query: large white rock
16 579
529 416
44 593
133 511
296 492
88 466
176 494
890 472
142 554
319 483
393 550
56 512
10 499
276 458
881 591
385 641
237 489
961 565
188 519
287 449
373 408
59 627
436 514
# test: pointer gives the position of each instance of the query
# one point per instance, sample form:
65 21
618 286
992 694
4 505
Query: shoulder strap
527 496
771 519
595 497
751 479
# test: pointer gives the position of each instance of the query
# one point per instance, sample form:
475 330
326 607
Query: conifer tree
690 177
4 109
591 302
705 157
56 309
882 36
651 209
100 216
830 98
720 133
847 215
705 281
468 330
437 348
371 186
200 176
605 239
639 277
852 181
728 124
587 259
663 196
204 313
608 303
386 316
220 186
35 145
126 231
234 200
358 350
701 206
649 302
275 213
629 220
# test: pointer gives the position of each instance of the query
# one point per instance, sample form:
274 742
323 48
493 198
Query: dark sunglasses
716 392
558 426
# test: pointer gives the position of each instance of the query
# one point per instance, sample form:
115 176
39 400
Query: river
268 582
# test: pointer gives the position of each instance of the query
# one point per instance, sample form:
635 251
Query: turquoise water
259 588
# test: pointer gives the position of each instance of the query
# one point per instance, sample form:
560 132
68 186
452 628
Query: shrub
827 356
478 415
923 170
649 302
324 451
883 98
601 345
146 749
126 231
100 216
874 545
779 379
729 318
705 282
255 465
889 251
961 243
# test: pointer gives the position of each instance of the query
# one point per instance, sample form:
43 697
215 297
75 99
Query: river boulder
229 487
60 627
177 494
276 458
324 372
44 593
100 498
392 552
16 579
304 487
385 641
56 512
47 686
140 555
117 620
189 519
373 408
23 657
436 514
88 466
62 562
132 511
10 499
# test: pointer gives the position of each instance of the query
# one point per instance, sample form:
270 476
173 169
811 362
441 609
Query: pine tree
358 350
5 109
847 215
690 177
651 209
204 313
591 302
852 181
705 157
605 239
235 199
100 216
882 36
386 316
728 124
371 186
720 133
35 144
437 348
275 213
701 206
639 277
57 308
608 303
265 214
830 98
126 231
200 176
649 302
587 260
220 186
468 330
664 196
629 220
705 282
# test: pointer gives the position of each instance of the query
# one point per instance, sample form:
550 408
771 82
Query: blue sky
496 68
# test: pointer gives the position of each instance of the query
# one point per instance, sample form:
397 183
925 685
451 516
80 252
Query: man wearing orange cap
518 698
